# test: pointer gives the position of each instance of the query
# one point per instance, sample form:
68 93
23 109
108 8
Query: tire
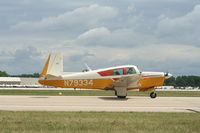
153 95
115 93
122 97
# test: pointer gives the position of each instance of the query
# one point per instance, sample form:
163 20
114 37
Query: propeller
166 74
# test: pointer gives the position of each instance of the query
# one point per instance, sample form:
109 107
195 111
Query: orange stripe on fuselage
79 83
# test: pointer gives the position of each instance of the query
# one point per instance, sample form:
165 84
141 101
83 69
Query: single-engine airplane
120 78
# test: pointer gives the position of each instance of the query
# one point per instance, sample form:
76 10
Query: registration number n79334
78 82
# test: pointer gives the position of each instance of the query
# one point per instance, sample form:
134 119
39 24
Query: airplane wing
128 81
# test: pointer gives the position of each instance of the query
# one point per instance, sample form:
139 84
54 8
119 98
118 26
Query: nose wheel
153 95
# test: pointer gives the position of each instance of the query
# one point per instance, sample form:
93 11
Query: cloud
118 38
182 29
26 60
156 35
96 36
95 33
79 19
175 58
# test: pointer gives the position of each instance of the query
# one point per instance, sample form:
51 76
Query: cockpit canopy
124 71
119 71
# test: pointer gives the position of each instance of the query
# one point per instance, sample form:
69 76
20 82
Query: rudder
53 65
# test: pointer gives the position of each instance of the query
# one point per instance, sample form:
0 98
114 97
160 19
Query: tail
53 65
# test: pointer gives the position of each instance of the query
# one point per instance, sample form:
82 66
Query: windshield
130 70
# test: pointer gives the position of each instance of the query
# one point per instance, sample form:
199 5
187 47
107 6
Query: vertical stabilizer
53 65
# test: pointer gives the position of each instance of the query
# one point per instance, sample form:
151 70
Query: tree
170 82
183 81
34 75
3 74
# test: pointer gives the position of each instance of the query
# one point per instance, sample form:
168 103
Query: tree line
5 74
183 81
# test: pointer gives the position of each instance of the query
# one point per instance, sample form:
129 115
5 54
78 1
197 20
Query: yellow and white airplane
120 78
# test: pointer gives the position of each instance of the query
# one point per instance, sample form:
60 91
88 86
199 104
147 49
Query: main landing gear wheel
153 95
115 93
122 97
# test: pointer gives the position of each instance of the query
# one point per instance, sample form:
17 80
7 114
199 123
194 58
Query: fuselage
105 78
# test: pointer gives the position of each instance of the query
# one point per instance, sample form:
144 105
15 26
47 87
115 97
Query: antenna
88 68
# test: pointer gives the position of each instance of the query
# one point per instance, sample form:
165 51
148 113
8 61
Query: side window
130 71
118 71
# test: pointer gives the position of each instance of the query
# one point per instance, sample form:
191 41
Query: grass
97 122
97 93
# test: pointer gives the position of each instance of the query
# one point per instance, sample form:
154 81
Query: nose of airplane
168 75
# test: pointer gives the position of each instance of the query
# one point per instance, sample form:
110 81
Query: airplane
119 78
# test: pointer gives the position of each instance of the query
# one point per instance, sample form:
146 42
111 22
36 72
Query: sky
155 35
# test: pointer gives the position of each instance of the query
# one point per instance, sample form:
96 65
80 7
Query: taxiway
99 103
